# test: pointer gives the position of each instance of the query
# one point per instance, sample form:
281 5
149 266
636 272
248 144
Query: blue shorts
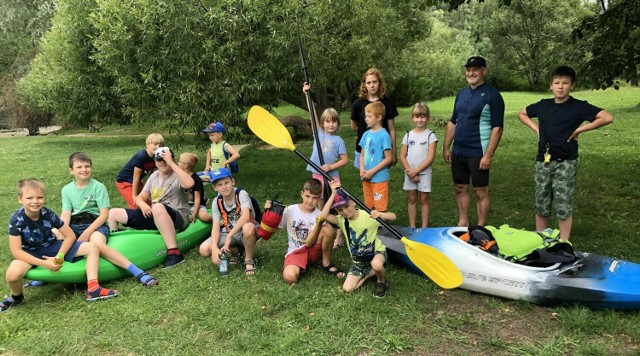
79 229
137 220
52 251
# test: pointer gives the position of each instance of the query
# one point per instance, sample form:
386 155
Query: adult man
475 129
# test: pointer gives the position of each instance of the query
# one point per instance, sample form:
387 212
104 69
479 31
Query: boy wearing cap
216 157
169 208
360 229
129 179
234 226
475 130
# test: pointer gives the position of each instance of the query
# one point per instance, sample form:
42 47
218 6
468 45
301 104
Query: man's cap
214 127
341 199
476 61
159 151
219 174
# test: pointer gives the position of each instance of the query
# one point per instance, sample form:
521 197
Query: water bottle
224 265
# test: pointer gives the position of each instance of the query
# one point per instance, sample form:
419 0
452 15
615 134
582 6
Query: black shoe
173 260
10 302
381 290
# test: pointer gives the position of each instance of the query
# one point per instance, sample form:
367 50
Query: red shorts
304 256
126 190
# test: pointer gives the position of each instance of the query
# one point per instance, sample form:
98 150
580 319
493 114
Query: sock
134 270
173 251
92 285
17 298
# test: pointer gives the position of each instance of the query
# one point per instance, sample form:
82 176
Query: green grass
195 311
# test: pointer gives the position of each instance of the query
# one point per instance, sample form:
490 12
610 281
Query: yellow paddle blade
436 265
269 129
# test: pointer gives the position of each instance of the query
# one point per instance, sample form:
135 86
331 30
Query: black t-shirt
357 115
198 186
557 122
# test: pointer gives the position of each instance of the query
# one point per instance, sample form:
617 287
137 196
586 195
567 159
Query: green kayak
144 248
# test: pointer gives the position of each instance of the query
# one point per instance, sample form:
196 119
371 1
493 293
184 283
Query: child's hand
146 211
415 179
50 264
306 87
84 237
367 175
215 255
362 174
325 167
193 216
267 204
334 184
375 214
207 169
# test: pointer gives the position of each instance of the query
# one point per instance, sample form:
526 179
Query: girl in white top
417 154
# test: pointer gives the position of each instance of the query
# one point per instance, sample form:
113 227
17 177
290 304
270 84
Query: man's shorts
361 269
555 182
78 229
137 220
52 251
462 168
304 257
321 179
376 195
424 185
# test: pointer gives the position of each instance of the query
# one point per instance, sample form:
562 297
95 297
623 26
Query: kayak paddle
433 263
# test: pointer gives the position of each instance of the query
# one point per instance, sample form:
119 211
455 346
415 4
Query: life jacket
224 214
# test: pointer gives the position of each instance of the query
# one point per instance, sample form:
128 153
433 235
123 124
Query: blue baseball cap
214 127
340 199
219 174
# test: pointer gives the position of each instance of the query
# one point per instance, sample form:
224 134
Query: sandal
9 302
236 257
250 271
147 280
333 270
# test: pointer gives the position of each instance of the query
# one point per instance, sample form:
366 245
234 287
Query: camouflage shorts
361 269
555 182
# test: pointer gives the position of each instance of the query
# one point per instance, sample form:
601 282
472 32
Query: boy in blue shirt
32 243
375 158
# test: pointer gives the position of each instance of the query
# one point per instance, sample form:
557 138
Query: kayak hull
593 280
144 248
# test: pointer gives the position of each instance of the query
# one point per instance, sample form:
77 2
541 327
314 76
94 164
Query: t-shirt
298 224
141 160
374 143
357 115
89 199
34 234
217 155
230 207
167 190
198 186
558 121
418 147
475 113
362 237
332 147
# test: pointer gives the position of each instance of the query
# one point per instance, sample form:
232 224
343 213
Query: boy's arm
602 118
15 246
403 158
525 119
324 214
342 161
215 238
69 238
234 155
448 139
186 181
141 202
197 197
135 185
207 166
386 216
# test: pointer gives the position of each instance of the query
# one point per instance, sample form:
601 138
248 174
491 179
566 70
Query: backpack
225 214
233 166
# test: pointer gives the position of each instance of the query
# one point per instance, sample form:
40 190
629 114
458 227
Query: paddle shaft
356 200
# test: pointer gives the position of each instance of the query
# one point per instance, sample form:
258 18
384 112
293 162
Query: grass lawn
195 311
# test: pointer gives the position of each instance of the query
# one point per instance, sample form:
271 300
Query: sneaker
9 302
381 290
34 284
173 260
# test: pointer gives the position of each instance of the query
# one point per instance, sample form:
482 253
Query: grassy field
194 311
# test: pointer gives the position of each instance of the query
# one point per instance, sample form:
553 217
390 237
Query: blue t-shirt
332 147
141 160
34 234
373 146
475 113
556 123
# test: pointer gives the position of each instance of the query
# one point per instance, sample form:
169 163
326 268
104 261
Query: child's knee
158 209
14 273
290 274
205 248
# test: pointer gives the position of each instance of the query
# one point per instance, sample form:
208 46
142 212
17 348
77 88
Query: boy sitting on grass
32 243
360 229
234 226
310 239
85 208
169 208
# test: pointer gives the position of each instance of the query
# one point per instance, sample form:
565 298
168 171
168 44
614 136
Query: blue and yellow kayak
144 248
592 280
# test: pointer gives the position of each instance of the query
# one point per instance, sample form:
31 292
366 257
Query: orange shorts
304 257
125 189
376 195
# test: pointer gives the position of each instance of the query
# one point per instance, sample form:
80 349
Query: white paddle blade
269 129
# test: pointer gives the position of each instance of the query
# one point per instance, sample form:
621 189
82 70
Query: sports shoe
173 260
381 290
9 302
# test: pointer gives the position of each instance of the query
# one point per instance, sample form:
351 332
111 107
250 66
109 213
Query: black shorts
462 168
137 220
